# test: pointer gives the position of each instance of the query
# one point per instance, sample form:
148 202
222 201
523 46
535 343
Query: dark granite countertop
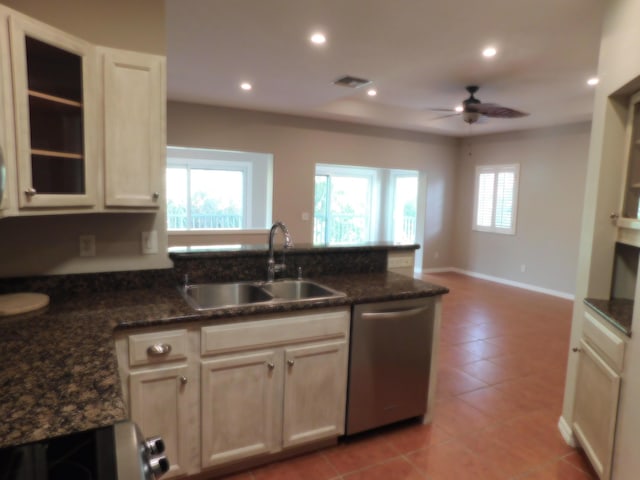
618 312
59 370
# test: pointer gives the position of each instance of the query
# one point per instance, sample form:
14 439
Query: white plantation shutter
485 200
496 198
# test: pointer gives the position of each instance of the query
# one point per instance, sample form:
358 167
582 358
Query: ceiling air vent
351 82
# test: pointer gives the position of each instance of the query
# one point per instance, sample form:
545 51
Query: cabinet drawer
605 342
157 347
270 332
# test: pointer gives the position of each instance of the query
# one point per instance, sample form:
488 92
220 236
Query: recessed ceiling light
593 81
318 38
489 52
246 86
372 92
459 108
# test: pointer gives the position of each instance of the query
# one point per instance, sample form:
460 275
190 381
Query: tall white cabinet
610 215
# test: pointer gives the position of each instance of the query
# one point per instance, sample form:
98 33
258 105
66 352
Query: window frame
496 170
373 177
256 168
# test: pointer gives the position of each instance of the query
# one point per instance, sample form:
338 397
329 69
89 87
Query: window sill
237 231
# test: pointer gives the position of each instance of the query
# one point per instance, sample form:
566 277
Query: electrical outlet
87 245
149 242
305 216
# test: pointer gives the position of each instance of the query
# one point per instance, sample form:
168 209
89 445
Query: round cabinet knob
155 195
271 365
290 362
30 192
184 380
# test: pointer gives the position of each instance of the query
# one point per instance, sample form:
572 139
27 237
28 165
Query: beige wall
299 143
49 245
128 24
551 190
619 73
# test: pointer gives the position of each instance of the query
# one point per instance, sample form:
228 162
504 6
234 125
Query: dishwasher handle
395 314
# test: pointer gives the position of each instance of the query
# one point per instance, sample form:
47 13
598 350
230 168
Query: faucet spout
272 266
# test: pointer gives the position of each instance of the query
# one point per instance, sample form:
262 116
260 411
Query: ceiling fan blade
496 111
440 117
440 109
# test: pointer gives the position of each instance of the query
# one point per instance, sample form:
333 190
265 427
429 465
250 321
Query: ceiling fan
473 109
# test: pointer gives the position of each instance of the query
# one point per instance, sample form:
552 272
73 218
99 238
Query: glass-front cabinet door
631 201
53 74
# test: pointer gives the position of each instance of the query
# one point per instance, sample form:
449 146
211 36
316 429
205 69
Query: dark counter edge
617 312
208 251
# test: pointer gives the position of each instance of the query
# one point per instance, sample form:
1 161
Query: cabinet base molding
212 473
567 433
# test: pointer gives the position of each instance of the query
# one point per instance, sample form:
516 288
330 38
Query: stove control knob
155 445
159 465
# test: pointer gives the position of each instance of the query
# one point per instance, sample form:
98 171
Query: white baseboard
504 281
567 433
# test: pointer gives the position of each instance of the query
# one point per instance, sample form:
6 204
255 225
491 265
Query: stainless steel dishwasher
389 362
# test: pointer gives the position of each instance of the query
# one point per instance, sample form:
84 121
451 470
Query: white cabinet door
134 127
7 148
238 405
158 405
596 409
314 392
55 99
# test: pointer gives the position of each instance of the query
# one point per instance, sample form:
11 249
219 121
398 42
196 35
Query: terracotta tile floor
503 354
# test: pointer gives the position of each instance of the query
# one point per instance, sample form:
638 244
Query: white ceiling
420 54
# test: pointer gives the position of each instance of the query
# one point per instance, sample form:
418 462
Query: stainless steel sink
210 296
299 290
206 296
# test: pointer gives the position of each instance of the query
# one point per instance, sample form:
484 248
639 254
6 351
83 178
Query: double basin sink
209 296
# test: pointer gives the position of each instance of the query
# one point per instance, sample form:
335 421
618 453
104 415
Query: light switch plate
87 245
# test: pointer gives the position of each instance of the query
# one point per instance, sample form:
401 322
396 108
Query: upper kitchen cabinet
7 147
55 99
134 127
628 220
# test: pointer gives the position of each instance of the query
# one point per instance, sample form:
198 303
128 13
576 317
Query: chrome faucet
272 266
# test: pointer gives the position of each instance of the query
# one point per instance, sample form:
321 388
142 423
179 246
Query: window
218 190
344 197
360 204
496 198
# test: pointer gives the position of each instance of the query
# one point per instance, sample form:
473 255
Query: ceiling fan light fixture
459 109
351 81
470 117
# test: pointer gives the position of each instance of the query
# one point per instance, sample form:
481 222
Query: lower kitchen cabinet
226 394
597 391
160 388
272 384
314 392
158 406
239 397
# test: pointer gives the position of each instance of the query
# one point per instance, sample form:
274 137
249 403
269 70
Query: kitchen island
60 372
